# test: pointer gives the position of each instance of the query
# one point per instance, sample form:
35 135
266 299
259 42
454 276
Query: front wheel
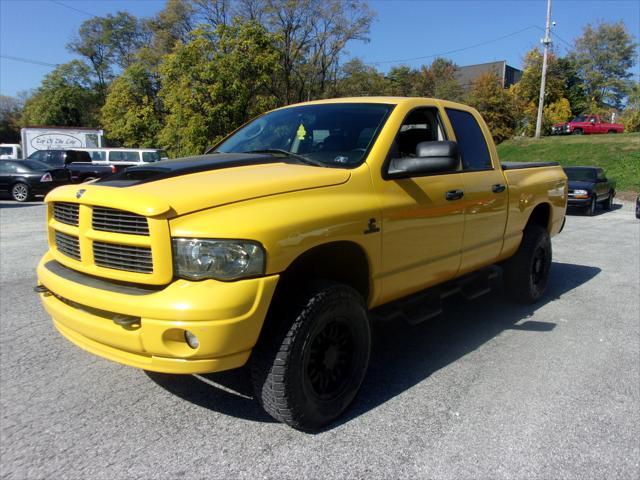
578 131
608 203
308 366
20 192
591 209
526 274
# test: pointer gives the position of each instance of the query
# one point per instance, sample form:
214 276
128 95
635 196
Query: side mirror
431 157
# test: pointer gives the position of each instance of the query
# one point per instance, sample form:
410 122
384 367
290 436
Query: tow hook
126 321
41 289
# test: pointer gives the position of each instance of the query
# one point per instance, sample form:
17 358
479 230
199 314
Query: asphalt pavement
488 390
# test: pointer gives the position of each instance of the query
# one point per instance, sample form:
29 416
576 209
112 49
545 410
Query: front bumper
226 317
578 202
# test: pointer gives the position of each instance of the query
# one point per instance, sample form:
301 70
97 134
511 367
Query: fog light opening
191 339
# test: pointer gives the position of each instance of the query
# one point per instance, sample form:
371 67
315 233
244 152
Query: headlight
580 192
197 259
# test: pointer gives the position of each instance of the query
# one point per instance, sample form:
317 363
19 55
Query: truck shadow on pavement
402 355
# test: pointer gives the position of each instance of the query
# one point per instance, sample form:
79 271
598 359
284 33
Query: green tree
526 92
403 81
133 114
573 86
105 42
65 98
357 79
494 103
604 56
171 26
10 109
631 116
214 83
438 80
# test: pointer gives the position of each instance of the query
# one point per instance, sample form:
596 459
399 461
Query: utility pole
546 41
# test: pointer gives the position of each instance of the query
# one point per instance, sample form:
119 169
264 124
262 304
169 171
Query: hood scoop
184 166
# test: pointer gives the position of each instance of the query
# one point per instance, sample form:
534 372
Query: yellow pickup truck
279 245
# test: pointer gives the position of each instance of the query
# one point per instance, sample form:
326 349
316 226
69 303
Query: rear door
485 191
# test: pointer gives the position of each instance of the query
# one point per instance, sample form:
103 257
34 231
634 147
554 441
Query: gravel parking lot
488 390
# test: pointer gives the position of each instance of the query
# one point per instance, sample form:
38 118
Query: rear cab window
471 141
150 157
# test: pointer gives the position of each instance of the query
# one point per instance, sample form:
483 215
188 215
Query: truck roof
385 100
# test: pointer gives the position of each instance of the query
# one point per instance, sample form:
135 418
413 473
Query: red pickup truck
584 124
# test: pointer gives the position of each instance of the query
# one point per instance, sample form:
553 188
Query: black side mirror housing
431 157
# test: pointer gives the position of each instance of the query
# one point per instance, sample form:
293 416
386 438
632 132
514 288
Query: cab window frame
484 137
442 128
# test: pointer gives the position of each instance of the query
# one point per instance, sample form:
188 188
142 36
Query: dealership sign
56 141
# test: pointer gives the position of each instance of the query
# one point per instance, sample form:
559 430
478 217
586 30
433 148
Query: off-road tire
285 365
21 192
526 274
608 203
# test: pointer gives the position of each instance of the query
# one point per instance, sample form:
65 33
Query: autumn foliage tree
488 96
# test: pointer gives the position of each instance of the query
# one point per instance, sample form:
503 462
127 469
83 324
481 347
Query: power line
72 8
456 50
29 60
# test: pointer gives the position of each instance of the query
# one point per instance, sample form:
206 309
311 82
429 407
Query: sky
404 32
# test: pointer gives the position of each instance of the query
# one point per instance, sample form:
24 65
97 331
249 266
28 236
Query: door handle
498 187
454 194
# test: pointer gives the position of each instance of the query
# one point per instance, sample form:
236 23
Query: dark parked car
25 178
589 186
77 162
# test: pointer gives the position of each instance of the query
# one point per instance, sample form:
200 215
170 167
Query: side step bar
425 305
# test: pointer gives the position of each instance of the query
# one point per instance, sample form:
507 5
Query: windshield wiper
275 151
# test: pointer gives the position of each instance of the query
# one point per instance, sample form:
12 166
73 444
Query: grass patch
619 155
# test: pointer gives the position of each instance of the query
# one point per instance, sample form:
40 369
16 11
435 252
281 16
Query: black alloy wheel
526 274
312 355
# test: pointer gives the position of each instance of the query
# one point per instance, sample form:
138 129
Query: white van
125 156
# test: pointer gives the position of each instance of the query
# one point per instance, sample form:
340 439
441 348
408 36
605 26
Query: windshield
580 174
581 118
335 135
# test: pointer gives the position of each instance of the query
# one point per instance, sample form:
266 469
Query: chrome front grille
68 245
66 213
123 257
119 221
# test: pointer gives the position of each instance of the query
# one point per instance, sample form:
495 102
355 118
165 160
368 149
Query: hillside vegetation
619 155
